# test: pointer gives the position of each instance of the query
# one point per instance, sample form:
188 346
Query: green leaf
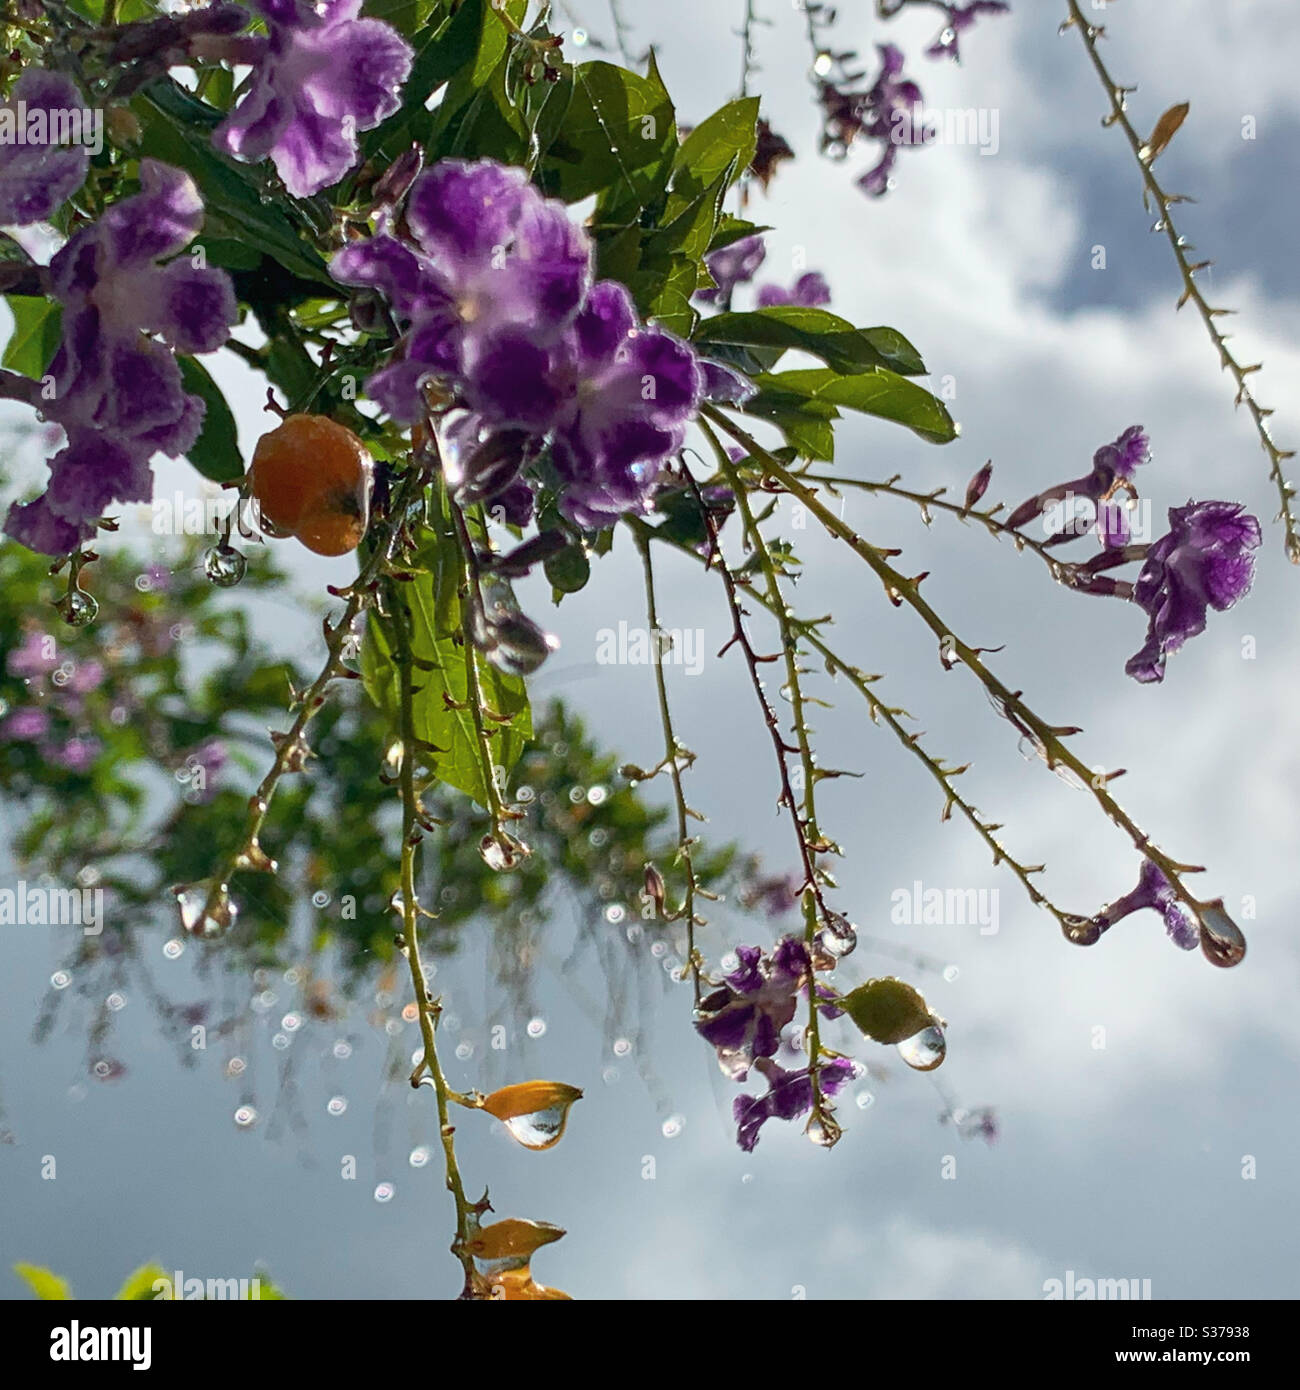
44 1283
177 129
434 613
406 16
724 142
138 1286
568 570
617 139
35 336
806 424
767 334
216 451
883 394
887 1010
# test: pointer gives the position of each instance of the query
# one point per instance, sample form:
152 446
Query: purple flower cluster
809 291
54 718
36 174
491 284
789 1095
886 112
1204 562
116 388
737 265
320 76
1113 467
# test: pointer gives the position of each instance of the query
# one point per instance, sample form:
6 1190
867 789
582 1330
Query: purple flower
202 767
37 656
1153 890
775 895
321 76
635 390
118 391
77 754
808 291
743 1019
1204 562
961 18
789 1095
733 265
887 113
494 279
37 175
26 725
87 676
1113 466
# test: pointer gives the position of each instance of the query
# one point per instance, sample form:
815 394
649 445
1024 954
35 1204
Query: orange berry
311 477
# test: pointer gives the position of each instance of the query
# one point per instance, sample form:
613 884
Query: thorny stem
747 48
673 756
471 583
429 1009
339 640
1259 414
900 589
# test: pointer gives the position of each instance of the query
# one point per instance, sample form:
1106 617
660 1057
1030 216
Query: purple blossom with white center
635 390
486 293
743 1019
1204 562
36 177
320 76
1113 467
959 19
118 391
36 655
789 1095
1154 891
808 292
733 265
26 725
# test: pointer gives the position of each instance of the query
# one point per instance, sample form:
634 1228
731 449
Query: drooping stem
428 1008
904 590
1228 361
674 754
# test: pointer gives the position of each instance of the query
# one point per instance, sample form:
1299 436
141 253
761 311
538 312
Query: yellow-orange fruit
311 477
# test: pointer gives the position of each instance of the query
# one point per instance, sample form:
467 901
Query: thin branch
1228 361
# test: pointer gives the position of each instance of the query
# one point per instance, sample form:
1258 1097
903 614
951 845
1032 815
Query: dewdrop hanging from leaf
535 1112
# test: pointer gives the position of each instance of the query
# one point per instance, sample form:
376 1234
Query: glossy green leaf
887 1010
36 334
441 677
883 394
765 335
216 451
722 142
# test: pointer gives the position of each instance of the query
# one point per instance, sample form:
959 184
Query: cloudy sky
1120 1160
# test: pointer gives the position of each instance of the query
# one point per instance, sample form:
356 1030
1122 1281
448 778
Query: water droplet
924 1050
865 1100
77 608
384 1192
596 796
336 1105
342 1049
950 973
823 1131
236 1066
410 1012
536 1027
245 1116
320 898
534 1112
673 1126
115 1002
610 1076
502 851
174 948
614 914
1222 943
206 908
839 936
578 38
419 1156
60 979
747 1178
622 1047
225 566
